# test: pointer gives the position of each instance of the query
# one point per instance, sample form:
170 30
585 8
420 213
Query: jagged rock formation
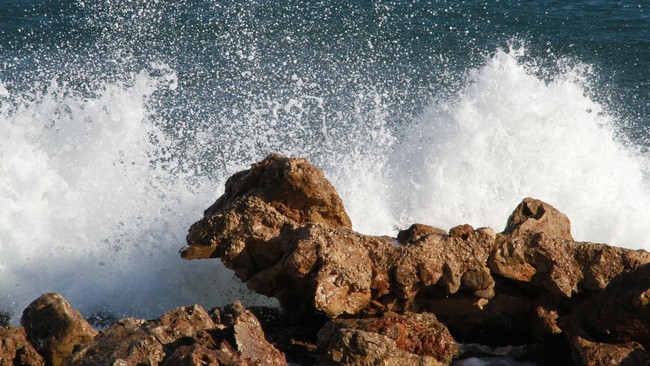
427 297
183 336
55 334
495 288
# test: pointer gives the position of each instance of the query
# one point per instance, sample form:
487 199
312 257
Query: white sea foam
509 135
90 208
93 205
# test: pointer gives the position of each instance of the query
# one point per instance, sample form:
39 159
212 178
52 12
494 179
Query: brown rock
535 216
248 337
140 342
199 355
597 354
357 347
15 350
281 227
183 336
55 329
416 232
617 318
415 336
294 191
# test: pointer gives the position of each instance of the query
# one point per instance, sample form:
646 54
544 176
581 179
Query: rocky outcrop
183 336
530 293
55 329
15 349
495 288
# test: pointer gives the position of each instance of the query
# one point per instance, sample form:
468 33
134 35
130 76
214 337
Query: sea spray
508 135
120 122
93 208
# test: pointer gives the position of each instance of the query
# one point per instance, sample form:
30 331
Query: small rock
55 329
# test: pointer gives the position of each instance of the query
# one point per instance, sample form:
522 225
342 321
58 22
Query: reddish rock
199 355
15 350
614 323
418 231
293 191
589 353
310 261
282 228
536 250
140 342
534 216
183 336
357 347
248 337
55 329
421 336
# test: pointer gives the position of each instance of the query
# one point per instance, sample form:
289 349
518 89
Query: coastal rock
292 191
247 337
139 342
418 337
55 329
284 242
486 287
537 251
15 349
357 347
613 324
183 336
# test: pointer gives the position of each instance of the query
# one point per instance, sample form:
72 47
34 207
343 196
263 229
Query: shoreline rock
507 288
530 293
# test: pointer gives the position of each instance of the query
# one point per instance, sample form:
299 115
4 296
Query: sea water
121 120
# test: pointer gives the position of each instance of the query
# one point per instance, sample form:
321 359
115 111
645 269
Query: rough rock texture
183 336
258 230
140 342
314 261
421 336
15 349
282 228
357 347
247 336
613 327
55 329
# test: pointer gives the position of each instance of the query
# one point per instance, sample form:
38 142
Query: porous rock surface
55 328
183 336
15 349
418 338
502 288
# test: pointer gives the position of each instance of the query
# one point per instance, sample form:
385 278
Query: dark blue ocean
121 120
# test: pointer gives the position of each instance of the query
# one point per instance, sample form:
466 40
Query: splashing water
104 168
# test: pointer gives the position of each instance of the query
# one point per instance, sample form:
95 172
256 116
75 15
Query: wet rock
15 350
55 329
418 337
613 324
